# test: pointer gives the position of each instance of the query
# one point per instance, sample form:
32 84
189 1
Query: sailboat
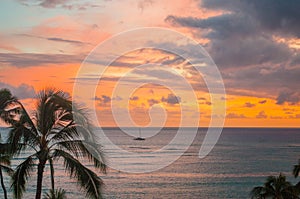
140 137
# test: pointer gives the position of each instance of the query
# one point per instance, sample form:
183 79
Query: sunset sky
255 45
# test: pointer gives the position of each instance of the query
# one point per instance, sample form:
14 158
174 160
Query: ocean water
242 159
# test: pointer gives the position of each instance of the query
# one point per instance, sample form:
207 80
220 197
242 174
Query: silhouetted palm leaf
86 178
296 169
21 175
4 166
56 194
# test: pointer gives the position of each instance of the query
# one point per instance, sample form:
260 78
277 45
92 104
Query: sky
255 46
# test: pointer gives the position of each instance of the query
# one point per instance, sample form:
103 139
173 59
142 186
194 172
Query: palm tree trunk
2 184
39 185
52 173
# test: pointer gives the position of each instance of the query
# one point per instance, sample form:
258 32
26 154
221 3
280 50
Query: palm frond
21 175
86 178
5 163
257 192
5 148
5 95
21 137
296 169
7 170
69 132
56 194
6 100
50 102
81 148
5 159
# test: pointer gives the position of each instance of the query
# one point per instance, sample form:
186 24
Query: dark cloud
175 61
134 98
276 117
241 52
236 40
104 100
208 103
261 115
202 98
223 26
268 80
171 99
57 39
262 101
249 105
281 15
66 4
24 91
151 102
244 35
288 96
35 59
53 3
235 116
65 40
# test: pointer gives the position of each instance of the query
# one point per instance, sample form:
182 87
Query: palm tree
4 166
275 188
6 100
296 169
58 130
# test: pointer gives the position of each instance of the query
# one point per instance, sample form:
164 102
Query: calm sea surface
241 159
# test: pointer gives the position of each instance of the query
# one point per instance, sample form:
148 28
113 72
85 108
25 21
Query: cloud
171 99
56 39
247 41
23 91
262 101
202 99
235 116
53 3
66 4
282 15
65 40
249 105
151 102
157 73
245 36
234 40
288 96
222 26
134 98
297 116
276 117
35 59
142 4
261 115
279 77
103 100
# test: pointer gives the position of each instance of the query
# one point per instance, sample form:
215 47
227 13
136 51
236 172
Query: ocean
241 160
